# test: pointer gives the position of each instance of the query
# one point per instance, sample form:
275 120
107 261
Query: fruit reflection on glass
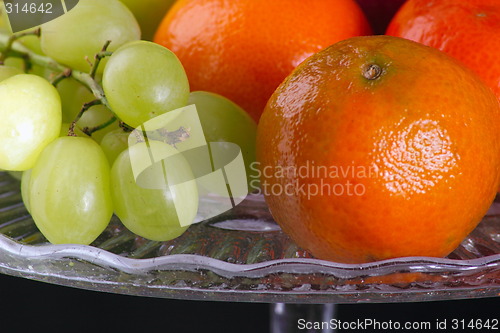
366 152
244 49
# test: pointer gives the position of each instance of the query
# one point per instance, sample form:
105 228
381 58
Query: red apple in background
380 12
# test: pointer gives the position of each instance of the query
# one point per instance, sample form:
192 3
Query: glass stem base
291 318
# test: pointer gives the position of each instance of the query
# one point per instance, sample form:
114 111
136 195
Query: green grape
143 80
15 62
224 121
154 213
25 183
149 14
30 111
114 143
73 96
95 116
81 33
77 131
19 64
33 43
8 71
69 191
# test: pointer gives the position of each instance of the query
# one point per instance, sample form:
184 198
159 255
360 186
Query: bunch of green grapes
68 129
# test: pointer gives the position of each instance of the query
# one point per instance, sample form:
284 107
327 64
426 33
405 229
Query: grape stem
12 48
90 130
98 57
86 106
125 127
10 41
61 76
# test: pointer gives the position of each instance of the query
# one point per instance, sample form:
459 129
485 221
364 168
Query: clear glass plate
241 256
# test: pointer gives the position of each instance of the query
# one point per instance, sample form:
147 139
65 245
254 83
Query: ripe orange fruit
379 147
467 30
244 49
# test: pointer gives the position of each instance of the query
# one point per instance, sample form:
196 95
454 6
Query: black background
32 306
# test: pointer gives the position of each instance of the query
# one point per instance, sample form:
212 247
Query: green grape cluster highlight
74 98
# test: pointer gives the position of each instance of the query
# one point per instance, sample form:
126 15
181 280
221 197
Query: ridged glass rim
110 260
119 265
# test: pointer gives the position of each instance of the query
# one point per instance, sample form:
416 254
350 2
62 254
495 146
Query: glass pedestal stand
243 256
286 317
